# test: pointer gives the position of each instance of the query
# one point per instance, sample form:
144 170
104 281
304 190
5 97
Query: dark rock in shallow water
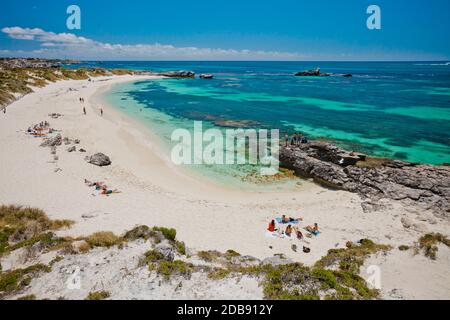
348 75
206 76
178 74
99 159
425 185
309 73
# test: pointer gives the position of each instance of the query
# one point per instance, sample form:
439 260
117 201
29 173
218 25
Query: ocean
399 110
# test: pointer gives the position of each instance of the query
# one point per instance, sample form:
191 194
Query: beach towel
279 220
316 233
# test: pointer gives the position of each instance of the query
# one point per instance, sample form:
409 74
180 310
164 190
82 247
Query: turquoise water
397 110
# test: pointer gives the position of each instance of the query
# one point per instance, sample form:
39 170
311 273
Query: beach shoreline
156 193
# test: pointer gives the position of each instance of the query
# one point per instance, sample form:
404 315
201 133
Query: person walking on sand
84 110
101 112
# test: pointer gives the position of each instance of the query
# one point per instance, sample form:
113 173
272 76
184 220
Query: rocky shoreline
374 179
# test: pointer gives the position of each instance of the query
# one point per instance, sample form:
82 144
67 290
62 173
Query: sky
302 30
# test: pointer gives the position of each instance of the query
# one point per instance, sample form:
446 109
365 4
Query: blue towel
279 220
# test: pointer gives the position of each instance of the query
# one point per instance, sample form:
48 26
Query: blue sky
227 30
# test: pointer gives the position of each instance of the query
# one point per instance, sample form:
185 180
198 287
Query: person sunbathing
271 227
107 192
288 231
286 219
313 229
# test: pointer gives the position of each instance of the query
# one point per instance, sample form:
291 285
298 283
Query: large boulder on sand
99 159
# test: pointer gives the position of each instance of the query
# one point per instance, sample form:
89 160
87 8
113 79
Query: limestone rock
99 159
52 142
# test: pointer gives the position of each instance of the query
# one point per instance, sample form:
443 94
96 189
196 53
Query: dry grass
103 239
428 244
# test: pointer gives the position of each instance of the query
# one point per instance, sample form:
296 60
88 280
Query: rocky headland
374 179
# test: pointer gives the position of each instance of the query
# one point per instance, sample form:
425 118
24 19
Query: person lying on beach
314 230
306 250
288 231
286 219
271 227
97 185
107 192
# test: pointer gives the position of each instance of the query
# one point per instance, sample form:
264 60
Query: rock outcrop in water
372 178
178 74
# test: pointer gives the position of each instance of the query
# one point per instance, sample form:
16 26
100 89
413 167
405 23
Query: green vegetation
180 247
231 253
16 279
219 273
350 259
98 295
169 234
169 268
403 247
208 256
23 227
428 244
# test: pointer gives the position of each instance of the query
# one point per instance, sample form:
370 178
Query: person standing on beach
84 110
101 112
286 139
4 110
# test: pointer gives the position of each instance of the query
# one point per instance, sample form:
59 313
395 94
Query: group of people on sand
296 139
293 229
41 129
101 187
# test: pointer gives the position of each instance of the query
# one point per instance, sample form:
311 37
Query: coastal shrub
139 232
403 247
168 233
428 244
180 247
98 295
231 253
103 239
15 279
208 256
152 256
23 227
219 273
169 268
352 258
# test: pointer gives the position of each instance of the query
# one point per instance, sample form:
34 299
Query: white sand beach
206 215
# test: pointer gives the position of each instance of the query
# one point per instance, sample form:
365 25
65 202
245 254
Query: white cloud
68 45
